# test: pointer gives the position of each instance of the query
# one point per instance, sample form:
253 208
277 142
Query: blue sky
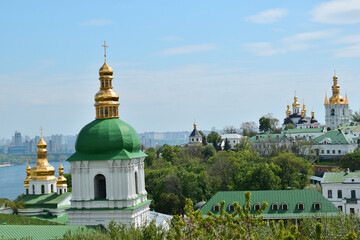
217 62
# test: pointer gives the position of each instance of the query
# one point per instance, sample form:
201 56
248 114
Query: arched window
101 112
110 111
106 83
216 208
102 83
231 208
52 188
60 191
317 206
33 187
97 112
136 183
257 207
106 112
332 112
275 206
100 186
27 191
300 206
42 189
284 206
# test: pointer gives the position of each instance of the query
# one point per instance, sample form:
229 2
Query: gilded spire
346 99
194 125
106 99
303 111
326 99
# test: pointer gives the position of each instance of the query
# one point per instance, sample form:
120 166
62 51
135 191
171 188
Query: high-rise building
336 108
17 139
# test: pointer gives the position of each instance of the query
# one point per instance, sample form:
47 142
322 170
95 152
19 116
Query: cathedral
337 111
297 118
108 181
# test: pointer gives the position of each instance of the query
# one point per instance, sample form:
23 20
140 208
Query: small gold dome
106 95
105 70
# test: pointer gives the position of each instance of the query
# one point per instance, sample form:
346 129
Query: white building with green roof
335 144
108 181
282 204
343 190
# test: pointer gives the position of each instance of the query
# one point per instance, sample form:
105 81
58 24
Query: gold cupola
61 181
42 170
336 98
303 111
288 111
106 99
296 103
312 114
26 181
194 125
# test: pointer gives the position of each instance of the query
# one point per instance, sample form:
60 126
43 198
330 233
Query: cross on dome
105 46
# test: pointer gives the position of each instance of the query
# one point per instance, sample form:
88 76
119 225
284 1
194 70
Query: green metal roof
304 130
336 137
338 177
267 138
354 128
106 139
37 232
50 200
291 197
62 220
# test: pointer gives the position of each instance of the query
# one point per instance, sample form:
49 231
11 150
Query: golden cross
104 46
41 129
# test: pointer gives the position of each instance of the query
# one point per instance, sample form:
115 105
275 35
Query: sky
175 62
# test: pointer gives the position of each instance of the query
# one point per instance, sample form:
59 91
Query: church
108 181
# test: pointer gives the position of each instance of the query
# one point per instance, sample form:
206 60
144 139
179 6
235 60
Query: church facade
108 181
337 111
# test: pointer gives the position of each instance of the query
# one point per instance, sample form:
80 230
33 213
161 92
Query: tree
244 144
208 151
151 156
294 171
229 129
169 203
214 138
289 126
355 117
248 129
169 153
351 161
226 145
264 124
203 136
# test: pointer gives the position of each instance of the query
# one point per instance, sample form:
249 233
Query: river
12 178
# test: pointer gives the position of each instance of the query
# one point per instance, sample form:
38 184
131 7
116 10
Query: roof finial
105 46
41 130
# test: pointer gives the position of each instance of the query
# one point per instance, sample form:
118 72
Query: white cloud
349 39
307 36
268 16
346 52
97 22
263 48
189 49
337 12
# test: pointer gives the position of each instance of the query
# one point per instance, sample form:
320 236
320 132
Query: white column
110 187
86 180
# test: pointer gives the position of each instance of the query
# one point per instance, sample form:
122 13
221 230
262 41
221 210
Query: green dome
106 139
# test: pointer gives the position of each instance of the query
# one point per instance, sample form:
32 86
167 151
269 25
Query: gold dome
26 181
194 125
61 181
296 103
288 111
42 170
105 70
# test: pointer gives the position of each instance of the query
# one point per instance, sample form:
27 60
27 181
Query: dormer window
317 206
257 207
285 206
216 208
231 208
275 206
300 206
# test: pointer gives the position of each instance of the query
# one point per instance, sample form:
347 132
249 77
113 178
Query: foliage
69 181
268 123
289 126
203 138
244 144
14 205
14 219
351 161
21 159
214 138
355 117
248 129
229 129
226 145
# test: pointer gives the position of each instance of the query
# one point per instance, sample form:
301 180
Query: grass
13 219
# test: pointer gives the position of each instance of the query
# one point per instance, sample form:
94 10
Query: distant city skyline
219 63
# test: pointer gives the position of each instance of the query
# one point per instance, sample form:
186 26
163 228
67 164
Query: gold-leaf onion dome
105 70
106 96
42 170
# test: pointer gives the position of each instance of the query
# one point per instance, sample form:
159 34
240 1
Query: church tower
336 108
108 181
195 136
40 179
